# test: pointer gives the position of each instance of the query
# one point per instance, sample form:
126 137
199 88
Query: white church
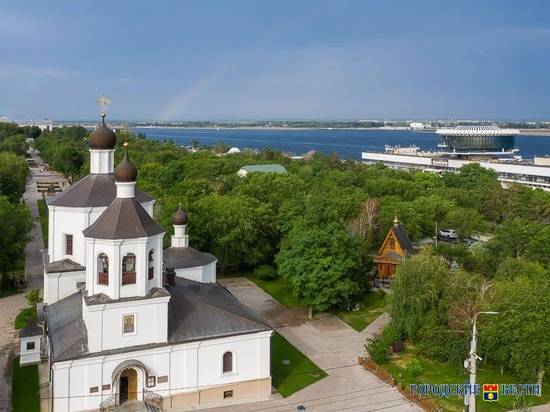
128 322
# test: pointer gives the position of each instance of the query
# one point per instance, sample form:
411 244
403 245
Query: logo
490 392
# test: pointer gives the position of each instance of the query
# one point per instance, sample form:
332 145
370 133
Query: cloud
17 70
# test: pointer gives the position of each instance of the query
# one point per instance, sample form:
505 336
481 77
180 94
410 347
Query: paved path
333 346
9 308
11 305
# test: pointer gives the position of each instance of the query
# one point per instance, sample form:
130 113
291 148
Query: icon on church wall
129 324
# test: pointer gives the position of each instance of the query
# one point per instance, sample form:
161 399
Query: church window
227 394
129 269
227 362
103 269
151 273
68 244
128 324
30 345
392 243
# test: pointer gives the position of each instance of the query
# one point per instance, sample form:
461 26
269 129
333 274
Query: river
346 143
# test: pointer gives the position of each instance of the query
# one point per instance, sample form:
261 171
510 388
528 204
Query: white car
448 233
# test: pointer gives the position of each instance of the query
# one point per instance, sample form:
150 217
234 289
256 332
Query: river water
347 144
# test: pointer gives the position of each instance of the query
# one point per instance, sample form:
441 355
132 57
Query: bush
265 272
377 349
33 297
414 367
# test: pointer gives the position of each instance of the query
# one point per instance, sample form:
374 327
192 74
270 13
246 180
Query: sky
279 59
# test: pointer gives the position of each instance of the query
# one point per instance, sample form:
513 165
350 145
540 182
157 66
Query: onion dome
179 217
395 221
102 137
126 171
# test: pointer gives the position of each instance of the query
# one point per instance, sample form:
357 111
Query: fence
382 374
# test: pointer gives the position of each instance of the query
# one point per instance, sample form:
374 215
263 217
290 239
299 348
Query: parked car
448 234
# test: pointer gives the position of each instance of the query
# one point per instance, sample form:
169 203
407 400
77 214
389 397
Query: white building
120 327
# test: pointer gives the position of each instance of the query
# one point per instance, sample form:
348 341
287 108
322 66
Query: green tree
13 175
417 293
15 225
519 337
322 263
237 229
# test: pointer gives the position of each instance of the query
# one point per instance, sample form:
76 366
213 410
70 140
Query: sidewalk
333 346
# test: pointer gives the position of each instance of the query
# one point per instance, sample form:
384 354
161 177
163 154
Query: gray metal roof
186 257
31 329
200 311
125 218
403 238
267 168
64 265
94 190
196 311
66 328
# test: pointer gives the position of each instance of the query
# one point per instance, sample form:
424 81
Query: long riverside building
507 171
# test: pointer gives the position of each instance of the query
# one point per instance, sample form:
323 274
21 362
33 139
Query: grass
437 372
43 212
26 395
372 305
22 317
291 370
279 289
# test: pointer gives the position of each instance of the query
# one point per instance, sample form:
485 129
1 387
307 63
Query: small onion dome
179 217
102 138
126 171
395 221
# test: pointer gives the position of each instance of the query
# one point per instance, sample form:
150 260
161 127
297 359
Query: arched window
151 273
102 269
227 362
129 269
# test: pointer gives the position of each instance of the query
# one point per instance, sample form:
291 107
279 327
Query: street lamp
471 362
301 408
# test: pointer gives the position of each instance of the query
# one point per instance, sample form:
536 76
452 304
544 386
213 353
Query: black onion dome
102 138
179 217
126 171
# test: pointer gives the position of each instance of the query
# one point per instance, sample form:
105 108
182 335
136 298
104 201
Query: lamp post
471 362
301 408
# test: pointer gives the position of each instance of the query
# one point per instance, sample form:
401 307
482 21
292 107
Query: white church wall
30 350
73 220
105 323
187 367
205 274
59 285
115 251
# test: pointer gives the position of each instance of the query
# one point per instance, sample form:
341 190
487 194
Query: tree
519 337
417 292
512 236
13 175
15 225
322 263
512 268
237 229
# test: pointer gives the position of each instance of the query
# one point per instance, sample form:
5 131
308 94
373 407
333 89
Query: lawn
43 212
436 373
371 306
291 370
22 317
26 395
279 289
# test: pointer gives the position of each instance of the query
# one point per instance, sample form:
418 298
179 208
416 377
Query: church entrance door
128 385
